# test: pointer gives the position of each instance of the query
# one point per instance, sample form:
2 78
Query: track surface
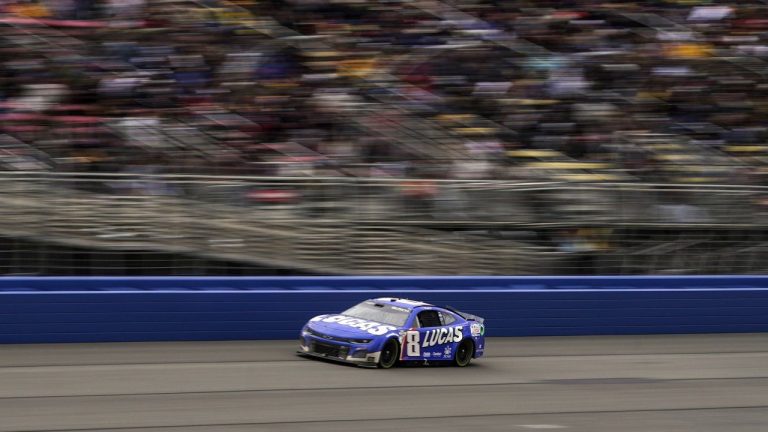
704 383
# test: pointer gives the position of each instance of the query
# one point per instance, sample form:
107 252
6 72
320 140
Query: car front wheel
390 352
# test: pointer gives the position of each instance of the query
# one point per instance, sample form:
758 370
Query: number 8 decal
412 347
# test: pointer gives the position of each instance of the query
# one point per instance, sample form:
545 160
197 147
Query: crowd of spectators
578 90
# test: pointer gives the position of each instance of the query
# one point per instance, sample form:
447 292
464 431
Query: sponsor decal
412 340
477 329
412 302
427 355
412 347
374 328
447 352
442 335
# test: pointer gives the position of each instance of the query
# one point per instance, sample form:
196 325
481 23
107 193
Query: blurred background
296 137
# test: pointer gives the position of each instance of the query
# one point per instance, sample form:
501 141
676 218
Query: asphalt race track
703 383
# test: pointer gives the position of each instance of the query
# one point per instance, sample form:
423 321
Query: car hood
348 327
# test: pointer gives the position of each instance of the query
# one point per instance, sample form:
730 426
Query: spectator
254 82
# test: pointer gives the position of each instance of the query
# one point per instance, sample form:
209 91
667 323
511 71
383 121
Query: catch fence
189 225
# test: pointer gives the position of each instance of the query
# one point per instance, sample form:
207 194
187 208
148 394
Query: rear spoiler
466 316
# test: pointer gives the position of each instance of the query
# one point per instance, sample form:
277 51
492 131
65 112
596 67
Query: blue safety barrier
100 309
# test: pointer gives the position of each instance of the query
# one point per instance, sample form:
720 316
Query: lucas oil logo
441 336
413 342
371 327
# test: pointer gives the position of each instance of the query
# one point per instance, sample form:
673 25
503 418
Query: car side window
429 318
447 318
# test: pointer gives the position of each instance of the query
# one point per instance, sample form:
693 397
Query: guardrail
167 309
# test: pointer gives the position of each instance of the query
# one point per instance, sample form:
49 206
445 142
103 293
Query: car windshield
379 312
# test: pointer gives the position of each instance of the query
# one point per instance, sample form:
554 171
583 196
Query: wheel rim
388 354
463 354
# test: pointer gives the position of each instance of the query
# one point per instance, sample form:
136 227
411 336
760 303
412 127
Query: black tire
390 353
464 353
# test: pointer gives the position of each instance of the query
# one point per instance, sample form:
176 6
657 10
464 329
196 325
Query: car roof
401 302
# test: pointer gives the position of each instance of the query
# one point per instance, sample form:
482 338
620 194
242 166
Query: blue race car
380 332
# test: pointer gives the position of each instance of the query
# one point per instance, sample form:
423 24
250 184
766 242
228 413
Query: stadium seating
564 91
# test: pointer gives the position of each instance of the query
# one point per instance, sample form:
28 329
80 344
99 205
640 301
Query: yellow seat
697 168
241 3
568 165
455 117
667 146
357 67
688 50
32 10
279 84
530 101
746 148
365 27
674 157
692 179
588 177
474 130
318 53
534 153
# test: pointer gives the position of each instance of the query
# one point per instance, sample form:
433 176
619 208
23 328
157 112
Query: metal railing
392 226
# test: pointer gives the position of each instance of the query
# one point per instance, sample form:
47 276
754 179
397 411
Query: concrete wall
162 309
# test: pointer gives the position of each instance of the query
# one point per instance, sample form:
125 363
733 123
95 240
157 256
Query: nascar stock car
384 331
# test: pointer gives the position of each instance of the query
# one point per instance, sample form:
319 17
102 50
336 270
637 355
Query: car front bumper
371 359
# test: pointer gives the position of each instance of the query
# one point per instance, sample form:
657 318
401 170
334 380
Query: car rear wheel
390 352
464 353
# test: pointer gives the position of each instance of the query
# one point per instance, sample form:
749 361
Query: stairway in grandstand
419 137
681 159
